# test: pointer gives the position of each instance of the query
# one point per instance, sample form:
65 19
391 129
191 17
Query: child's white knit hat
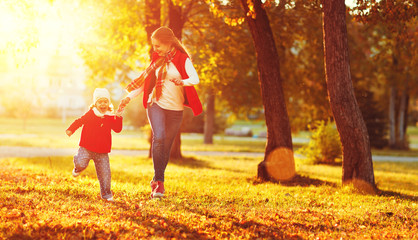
100 93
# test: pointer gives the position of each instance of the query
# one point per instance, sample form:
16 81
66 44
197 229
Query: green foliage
324 146
224 58
297 28
119 46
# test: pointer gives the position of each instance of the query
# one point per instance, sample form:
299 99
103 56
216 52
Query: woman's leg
101 162
165 125
156 118
173 121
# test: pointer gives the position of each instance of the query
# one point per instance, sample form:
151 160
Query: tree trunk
392 121
357 157
152 18
152 22
402 120
150 143
278 163
176 23
176 19
176 148
209 118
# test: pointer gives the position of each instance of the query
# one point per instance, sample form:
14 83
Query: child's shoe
110 199
159 190
75 174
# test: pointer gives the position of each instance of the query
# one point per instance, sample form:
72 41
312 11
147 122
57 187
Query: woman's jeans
165 125
101 163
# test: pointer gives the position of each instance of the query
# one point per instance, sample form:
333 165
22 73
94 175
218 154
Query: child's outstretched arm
76 124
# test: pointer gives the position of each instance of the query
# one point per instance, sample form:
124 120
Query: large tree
278 163
216 41
297 27
394 33
357 158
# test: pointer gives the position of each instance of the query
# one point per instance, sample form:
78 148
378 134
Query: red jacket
191 99
96 134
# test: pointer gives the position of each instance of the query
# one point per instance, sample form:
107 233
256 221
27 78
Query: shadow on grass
397 195
189 162
192 162
297 180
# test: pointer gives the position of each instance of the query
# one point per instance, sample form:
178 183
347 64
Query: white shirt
172 97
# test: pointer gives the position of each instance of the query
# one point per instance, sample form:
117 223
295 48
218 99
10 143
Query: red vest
191 99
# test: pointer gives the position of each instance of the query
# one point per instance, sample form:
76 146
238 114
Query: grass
207 198
51 133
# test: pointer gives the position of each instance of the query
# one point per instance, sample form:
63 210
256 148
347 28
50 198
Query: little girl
96 139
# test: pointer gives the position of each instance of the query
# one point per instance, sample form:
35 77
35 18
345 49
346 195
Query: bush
324 146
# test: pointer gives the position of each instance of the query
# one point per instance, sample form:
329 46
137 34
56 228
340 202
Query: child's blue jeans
101 163
165 125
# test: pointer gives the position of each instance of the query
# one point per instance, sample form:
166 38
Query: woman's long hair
166 36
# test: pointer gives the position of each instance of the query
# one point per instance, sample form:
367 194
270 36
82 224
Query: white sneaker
74 173
110 199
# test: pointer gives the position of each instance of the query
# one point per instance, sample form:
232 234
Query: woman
167 85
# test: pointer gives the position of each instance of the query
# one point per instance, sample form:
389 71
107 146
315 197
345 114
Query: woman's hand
125 101
177 81
69 133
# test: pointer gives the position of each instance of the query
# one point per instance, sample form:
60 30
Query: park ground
207 196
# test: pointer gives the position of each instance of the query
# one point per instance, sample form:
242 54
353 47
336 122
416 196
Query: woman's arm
133 94
191 72
127 99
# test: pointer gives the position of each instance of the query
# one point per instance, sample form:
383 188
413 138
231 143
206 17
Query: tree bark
152 22
152 18
357 158
176 148
402 119
279 139
392 120
176 19
209 118
176 23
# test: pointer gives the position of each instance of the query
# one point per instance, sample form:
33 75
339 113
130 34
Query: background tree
367 86
297 27
394 34
224 58
357 158
279 137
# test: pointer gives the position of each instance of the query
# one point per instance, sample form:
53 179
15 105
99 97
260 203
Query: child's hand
119 113
69 133
122 106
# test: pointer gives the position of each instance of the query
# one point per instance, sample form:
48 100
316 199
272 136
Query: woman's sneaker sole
157 195
75 174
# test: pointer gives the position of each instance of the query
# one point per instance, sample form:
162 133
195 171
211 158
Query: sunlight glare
33 32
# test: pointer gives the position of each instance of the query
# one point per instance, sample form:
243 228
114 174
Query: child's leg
81 160
101 162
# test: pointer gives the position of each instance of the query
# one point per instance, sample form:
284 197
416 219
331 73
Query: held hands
177 81
122 105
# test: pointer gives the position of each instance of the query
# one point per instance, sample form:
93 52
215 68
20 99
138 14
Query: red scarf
160 62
